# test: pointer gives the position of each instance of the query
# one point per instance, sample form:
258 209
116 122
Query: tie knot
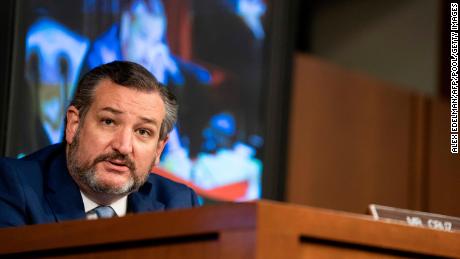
104 212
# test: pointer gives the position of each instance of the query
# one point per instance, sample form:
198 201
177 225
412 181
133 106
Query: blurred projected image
208 52
140 36
54 55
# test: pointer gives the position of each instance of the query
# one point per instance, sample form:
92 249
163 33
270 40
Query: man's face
112 150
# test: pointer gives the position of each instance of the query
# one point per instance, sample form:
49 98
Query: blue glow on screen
58 55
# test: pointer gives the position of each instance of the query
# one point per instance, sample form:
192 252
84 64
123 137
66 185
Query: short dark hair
130 75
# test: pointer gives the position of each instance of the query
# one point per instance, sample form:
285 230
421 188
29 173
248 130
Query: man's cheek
86 160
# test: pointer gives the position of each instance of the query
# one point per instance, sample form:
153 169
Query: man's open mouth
117 163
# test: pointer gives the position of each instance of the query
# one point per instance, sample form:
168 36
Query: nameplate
415 218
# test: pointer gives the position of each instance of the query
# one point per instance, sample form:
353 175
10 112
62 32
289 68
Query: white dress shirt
119 206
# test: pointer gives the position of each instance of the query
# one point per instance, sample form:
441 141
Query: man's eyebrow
149 120
144 119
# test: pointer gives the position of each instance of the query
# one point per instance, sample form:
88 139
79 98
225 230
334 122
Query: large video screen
210 53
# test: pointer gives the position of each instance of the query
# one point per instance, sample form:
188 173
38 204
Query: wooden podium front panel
318 233
261 230
207 232
233 244
324 251
189 250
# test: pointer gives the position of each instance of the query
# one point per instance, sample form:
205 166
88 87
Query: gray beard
85 173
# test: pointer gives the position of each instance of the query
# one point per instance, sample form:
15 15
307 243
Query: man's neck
120 206
101 198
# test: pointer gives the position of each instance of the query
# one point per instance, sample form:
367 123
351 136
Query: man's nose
123 141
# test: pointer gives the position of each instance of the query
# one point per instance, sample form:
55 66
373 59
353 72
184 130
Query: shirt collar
119 206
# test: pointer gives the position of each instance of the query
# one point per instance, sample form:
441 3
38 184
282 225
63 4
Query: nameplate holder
415 218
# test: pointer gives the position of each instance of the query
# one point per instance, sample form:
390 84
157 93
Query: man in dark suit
116 128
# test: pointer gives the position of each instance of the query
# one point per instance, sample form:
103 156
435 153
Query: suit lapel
144 200
63 194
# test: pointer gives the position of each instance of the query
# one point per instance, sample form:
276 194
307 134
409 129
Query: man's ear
160 147
73 121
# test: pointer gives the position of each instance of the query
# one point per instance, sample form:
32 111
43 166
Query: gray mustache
116 156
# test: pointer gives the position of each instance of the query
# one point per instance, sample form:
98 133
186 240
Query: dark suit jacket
38 189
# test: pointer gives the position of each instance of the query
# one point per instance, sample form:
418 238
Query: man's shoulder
24 185
45 153
31 165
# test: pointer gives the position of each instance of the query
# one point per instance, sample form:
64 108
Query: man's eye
144 132
107 121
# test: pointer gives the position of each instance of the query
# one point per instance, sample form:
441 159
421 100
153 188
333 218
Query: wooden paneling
354 140
443 183
350 140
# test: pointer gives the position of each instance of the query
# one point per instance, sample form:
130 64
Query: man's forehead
110 96
107 88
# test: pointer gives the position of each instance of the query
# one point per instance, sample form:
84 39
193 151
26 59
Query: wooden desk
246 230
